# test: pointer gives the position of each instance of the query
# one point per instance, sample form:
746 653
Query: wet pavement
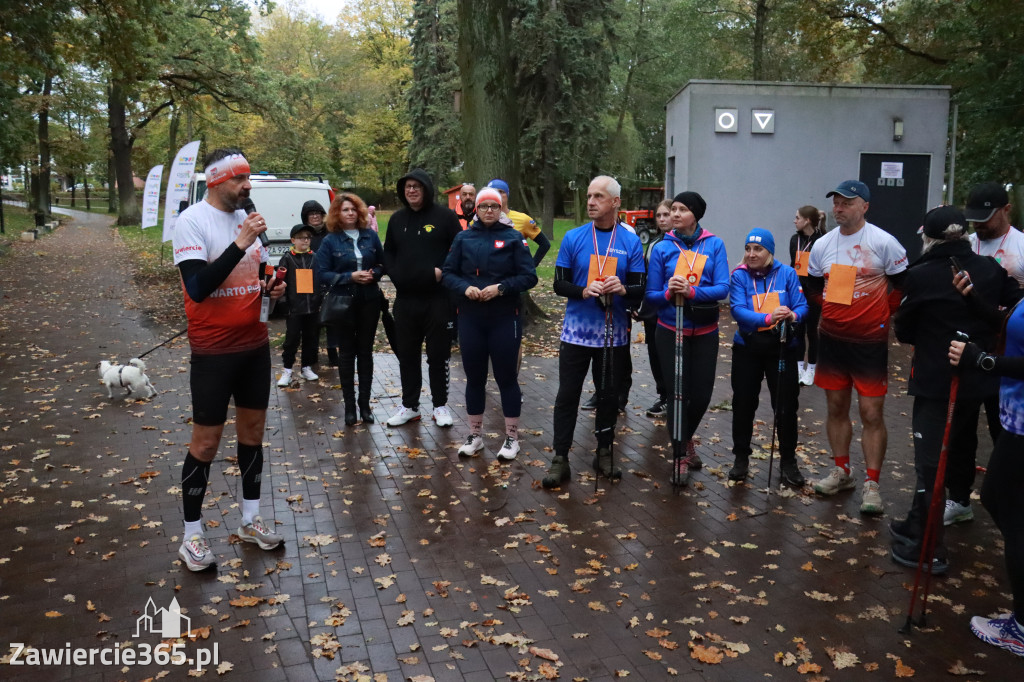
402 561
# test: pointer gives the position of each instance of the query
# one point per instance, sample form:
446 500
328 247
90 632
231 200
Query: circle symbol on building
726 120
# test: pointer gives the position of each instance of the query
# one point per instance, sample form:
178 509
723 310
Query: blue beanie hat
761 236
499 185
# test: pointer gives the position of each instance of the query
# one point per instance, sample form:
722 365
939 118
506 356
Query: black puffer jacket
418 241
932 311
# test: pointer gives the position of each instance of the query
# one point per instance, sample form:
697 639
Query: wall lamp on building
897 129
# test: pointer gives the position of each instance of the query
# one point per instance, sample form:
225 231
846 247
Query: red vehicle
642 220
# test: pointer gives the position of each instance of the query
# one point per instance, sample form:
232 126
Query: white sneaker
473 445
871 499
308 374
957 513
286 379
836 480
807 376
403 416
443 416
260 533
509 450
196 553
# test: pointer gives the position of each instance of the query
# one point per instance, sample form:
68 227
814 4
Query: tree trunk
121 143
172 141
490 122
761 11
111 183
42 196
547 216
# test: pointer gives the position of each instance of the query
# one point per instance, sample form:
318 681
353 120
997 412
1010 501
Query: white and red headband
226 168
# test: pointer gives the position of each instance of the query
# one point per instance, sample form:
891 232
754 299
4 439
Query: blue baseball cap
499 185
761 236
851 189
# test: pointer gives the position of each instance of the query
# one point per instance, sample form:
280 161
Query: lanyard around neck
601 260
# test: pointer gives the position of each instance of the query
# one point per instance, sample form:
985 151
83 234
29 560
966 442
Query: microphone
250 207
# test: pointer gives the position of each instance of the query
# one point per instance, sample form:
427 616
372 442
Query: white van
279 200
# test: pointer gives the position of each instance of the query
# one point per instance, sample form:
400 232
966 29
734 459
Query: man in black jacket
931 312
418 239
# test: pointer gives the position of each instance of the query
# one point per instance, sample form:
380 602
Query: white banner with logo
177 185
151 197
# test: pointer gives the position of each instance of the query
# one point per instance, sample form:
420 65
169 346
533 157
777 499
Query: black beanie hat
692 201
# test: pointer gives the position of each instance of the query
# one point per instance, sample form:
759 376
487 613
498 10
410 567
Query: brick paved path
403 562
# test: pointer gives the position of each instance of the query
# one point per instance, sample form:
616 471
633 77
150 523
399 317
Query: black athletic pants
700 361
1002 493
493 335
651 338
749 369
420 319
573 364
307 328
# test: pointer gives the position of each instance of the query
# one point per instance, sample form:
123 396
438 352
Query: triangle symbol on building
764 118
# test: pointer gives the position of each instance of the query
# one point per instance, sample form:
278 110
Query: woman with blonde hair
350 261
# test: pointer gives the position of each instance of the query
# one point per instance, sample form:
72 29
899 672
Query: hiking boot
258 532
308 374
404 416
696 464
604 463
443 416
558 473
871 499
907 555
791 473
285 379
957 513
658 409
196 554
740 469
590 403
473 445
509 449
1005 633
836 480
901 532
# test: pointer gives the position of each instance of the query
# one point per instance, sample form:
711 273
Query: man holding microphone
218 253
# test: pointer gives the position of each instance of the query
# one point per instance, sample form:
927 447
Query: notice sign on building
892 169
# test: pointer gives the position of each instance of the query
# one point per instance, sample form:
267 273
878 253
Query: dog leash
164 343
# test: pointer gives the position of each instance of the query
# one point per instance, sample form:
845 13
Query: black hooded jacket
418 241
307 208
932 311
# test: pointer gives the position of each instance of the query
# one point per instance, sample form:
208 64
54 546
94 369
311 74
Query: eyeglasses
302 237
488 207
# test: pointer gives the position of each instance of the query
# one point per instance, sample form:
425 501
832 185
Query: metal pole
952 157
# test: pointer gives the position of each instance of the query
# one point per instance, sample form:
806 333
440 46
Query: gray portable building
757 151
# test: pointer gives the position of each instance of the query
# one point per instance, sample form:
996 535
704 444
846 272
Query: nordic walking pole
606 361
778 400
678 398
934 509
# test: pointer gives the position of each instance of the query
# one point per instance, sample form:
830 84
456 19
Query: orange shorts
842 364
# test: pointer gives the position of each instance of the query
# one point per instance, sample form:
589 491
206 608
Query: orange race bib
841 280
691 269
596 272
304 281
801 261
765 304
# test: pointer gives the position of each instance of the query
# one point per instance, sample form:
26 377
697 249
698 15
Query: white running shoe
403 416
836 480
871 499
443 416
473 445
957 513
807 376
286 379
258 532
509 449
196 553
308 374
1005 633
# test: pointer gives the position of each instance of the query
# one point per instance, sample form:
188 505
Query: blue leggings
493 335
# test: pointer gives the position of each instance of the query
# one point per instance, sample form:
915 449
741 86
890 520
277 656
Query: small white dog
131 376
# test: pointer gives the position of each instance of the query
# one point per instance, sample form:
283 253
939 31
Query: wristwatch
987 362
501 290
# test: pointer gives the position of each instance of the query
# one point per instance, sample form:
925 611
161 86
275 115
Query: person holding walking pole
597 260
689 262
1003 489
764 295
929 316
